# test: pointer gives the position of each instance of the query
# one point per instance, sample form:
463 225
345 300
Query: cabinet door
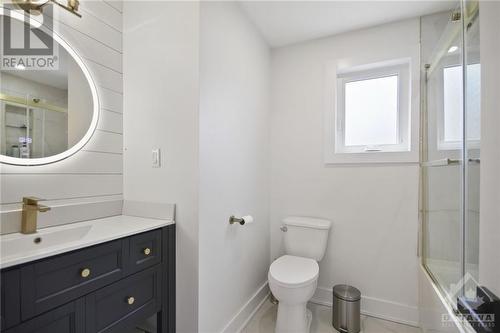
124 304
69 318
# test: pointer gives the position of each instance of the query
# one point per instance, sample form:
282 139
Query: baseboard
247 311
375 307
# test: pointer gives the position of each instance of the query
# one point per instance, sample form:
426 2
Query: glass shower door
28 131
443 152
450 150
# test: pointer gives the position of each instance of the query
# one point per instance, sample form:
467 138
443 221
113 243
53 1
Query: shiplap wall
93 175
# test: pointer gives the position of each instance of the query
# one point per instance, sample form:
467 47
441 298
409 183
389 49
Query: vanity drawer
52 282
145 250
125 303
69 318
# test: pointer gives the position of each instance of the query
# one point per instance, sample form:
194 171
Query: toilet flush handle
284 228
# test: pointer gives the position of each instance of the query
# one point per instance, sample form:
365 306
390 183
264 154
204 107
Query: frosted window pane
371 112
453 103
474 102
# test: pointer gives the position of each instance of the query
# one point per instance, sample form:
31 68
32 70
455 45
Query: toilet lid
294 271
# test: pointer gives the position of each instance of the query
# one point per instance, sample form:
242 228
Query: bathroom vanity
105 275
60 275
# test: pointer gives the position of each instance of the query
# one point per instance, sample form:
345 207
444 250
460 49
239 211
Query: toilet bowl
292 281
293 278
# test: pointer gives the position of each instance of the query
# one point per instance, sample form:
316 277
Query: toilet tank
306 236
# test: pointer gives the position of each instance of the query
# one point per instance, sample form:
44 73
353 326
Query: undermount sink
41 240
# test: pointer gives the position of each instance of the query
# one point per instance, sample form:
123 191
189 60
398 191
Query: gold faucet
30 212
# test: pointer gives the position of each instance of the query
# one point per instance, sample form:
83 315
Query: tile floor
265 319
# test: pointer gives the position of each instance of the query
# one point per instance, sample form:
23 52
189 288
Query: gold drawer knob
85 273
147 251
130 300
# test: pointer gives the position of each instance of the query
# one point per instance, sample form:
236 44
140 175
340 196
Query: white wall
93 175
373 241
161 96
234 140
489 261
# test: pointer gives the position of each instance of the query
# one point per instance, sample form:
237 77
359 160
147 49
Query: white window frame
335 150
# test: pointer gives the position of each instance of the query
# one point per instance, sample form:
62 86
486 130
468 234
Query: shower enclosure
450 151
40 128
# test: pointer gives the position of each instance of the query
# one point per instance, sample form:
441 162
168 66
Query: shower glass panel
31 132
450 136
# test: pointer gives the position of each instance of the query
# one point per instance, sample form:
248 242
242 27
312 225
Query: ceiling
288 22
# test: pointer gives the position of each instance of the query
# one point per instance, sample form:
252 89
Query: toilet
293 277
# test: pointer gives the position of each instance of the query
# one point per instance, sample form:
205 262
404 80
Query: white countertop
18 248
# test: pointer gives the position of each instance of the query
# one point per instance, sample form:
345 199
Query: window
451 120
372 114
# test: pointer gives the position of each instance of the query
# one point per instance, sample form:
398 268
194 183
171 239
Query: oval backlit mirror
48 101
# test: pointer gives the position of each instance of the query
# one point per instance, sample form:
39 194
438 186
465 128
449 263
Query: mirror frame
95 99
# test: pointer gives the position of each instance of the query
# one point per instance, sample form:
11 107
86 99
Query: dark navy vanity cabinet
109 287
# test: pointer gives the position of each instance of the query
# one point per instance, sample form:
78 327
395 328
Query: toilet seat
293 272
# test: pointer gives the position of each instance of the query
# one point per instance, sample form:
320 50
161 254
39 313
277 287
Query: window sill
371 158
